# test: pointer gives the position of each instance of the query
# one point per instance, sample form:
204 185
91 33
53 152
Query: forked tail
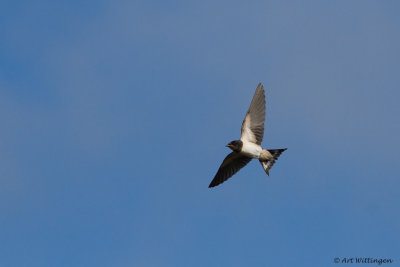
267 164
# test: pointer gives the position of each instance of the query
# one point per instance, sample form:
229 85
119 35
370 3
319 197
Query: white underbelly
251 150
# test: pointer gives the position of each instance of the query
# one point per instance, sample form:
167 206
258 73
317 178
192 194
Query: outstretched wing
253 123
231 165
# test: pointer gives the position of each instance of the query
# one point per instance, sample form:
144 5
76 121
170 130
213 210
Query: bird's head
235 145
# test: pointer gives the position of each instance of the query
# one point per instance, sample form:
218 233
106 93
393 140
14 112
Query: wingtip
214 184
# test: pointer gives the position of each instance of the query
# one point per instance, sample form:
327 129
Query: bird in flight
249 145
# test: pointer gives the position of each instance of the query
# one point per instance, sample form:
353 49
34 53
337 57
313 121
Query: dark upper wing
231 165
253 123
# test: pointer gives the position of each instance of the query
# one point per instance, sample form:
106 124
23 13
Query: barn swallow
249 145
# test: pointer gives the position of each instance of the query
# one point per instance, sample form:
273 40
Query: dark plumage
248 147
235 145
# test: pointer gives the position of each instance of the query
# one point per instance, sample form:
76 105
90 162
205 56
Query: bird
249 145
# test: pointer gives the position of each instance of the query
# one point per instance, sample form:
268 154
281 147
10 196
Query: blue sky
115 116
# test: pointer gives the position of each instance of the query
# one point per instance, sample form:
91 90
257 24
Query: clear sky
115 116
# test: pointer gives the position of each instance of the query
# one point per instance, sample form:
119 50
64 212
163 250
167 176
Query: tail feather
267 164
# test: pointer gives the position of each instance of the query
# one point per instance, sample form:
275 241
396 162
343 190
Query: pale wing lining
253 124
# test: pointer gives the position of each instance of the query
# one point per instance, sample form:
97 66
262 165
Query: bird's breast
251 150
